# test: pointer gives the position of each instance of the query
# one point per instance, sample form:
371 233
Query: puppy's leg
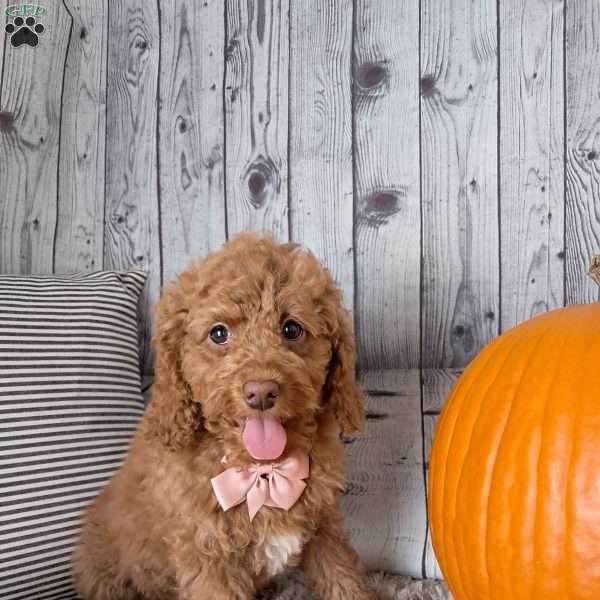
216 580
332 565
97 576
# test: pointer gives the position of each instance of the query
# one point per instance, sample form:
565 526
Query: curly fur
156 532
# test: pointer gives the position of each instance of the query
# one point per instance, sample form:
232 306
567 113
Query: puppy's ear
341 391
172 416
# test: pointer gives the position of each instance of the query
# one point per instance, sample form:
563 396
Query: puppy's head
253 345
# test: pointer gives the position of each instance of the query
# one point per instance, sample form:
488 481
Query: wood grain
459 180
79 243
431 566
437 385
582 148
191 130
256 109
30 117
320 153
384 502
132 223
531 158
386 174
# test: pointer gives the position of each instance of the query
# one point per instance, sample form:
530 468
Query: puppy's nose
261 395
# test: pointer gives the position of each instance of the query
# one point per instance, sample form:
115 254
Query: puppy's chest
280 551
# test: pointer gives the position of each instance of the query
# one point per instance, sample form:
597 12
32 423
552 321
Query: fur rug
293 586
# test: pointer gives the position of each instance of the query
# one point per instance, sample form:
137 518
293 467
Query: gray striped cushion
69 403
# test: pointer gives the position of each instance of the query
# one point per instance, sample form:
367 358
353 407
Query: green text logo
25 10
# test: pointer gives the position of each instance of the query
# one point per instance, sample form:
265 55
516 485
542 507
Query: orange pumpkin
514 480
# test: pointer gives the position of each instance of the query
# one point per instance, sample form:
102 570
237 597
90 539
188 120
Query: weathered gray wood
432 568
131 236
459 179
191 130
256 108
437 385
387 250
531 158
385 499
582 148
79 244
30 115
320 157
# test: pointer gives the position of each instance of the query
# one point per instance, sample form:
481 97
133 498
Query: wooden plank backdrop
441 156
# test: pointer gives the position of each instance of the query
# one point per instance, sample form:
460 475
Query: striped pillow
69 404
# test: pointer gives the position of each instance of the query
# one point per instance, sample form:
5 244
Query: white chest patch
279 550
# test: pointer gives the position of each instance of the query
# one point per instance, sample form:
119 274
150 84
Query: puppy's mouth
264 437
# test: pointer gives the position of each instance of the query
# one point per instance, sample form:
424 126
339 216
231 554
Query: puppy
236 469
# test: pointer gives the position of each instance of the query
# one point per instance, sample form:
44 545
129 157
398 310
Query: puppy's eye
291 330
219 334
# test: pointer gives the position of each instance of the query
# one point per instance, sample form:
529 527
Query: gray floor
389 587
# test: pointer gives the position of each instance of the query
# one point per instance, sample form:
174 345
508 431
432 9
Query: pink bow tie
277 484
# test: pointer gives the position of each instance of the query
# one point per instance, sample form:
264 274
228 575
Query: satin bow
276 484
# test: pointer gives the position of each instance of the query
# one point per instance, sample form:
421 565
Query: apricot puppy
236 469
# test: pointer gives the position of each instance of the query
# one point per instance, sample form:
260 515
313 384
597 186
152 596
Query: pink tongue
265 438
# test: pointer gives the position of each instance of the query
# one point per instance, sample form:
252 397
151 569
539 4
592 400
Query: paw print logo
24 31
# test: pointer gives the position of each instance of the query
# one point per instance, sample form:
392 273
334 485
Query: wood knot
260 177
82 33
6 121
371 415
427 86
593 155
381 205
230 49
371 75
257 183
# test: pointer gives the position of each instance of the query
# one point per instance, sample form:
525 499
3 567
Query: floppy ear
173 417
341 391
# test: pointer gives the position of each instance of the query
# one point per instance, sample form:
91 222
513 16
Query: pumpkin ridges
471 401
583 499
437 464
493 426
448 429
569 568
551 498
500 492
578 338
502 345
439 508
